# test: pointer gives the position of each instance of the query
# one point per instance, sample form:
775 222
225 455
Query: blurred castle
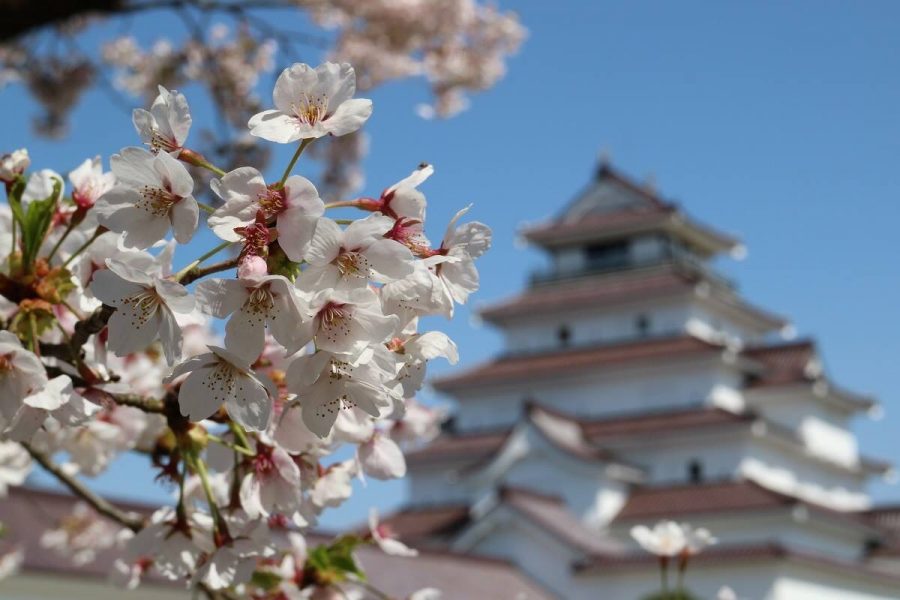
637 385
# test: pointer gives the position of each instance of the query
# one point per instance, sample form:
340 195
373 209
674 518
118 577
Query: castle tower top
616 223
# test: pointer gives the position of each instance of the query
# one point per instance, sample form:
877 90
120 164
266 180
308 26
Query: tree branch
82 491
198 272
91 325
149 405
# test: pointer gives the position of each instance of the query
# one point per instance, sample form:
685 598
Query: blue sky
774 121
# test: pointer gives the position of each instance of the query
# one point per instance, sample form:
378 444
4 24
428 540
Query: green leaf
335 561
36 221
265 580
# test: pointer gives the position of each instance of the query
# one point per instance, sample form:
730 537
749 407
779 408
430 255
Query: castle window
607 256
564 335
695 471
642 325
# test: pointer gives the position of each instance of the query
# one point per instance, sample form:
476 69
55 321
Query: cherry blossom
346 321
381 458
15 464
153 195
173 547
233 562
165 127
385 540
329 383
253 304
272 484
464 244
311 103
44 184
14 164
57 399
89 182
351 257
145 309
81 534
222 377
321 347
296 205
665 539
21 374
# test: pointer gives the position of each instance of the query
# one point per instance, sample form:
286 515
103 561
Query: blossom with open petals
666 539
15 464
166 125
153 194
145 306
296 205
272 483
383 537
89 182
346 321
21 374
463 244
222 377
57 399
253 304
311 103
381 458
327 383
351 257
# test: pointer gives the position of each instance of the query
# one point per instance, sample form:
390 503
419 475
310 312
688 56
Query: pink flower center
262 463
260 303
157 201
352 264
310 110
6 364
272 202
143 306
159 142
256 237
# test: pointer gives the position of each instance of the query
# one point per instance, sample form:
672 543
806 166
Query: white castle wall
678 383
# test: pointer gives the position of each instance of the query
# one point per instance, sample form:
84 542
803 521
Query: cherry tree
106 349
227 46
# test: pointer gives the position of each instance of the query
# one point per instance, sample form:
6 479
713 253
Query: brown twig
91 325
198 272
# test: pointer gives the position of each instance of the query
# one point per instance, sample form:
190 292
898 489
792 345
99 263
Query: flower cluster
107 349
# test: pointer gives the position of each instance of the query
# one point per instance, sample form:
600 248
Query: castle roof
516 367
589 439
481 445
743 554
613 206
548 512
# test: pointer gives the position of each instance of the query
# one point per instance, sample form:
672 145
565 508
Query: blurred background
777 122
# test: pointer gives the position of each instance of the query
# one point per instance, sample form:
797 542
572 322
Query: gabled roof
798 363
659 283
613 206
519 367
415 523
741 553
549 512
784 363
590 439
684 500
482 444
559 432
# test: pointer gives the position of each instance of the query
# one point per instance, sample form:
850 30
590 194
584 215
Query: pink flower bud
252 267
